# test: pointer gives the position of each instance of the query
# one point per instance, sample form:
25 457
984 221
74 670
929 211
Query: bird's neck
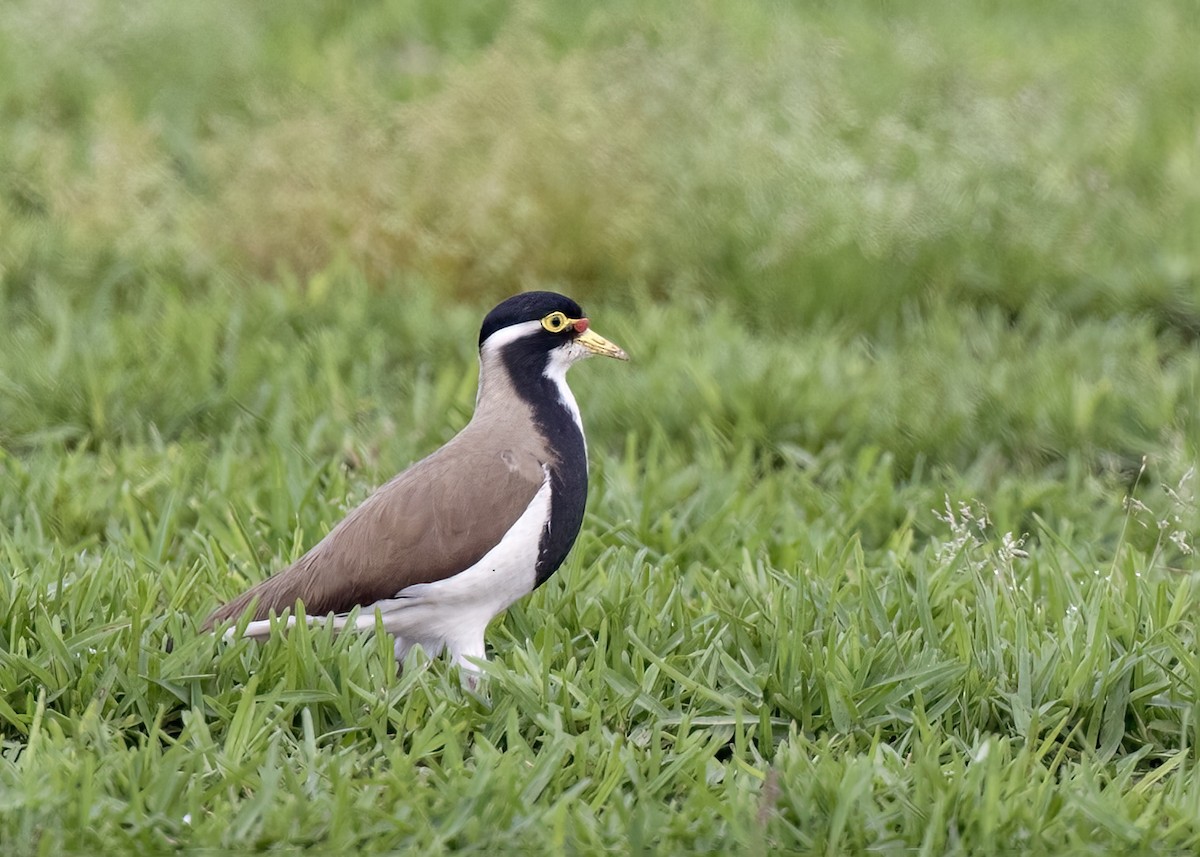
505 385
497 397
516 387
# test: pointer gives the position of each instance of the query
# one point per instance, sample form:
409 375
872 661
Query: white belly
453 613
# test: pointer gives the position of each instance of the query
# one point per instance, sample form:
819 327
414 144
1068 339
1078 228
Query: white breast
505 573
454 613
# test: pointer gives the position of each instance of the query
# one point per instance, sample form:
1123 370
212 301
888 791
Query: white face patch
560 361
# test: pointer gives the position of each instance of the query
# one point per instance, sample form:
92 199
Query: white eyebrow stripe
507 335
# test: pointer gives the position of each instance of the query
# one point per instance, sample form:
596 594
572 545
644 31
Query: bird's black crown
527 306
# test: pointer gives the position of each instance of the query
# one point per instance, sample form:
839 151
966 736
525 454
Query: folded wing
434 520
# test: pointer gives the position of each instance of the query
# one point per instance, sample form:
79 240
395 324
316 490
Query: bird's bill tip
597 344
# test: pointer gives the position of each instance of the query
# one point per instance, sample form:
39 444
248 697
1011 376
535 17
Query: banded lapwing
459 536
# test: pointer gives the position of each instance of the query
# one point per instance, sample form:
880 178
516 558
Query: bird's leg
463 651
469 678
401 652
404 645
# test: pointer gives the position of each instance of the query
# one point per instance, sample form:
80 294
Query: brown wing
437 518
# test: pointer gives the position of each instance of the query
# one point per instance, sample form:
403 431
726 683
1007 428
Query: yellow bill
596 343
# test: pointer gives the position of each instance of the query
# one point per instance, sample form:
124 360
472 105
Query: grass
890 543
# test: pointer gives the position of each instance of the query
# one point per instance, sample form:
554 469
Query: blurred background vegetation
796 159
948 230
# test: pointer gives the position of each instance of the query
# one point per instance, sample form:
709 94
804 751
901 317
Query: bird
456 538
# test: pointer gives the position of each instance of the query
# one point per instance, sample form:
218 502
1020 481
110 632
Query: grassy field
891 540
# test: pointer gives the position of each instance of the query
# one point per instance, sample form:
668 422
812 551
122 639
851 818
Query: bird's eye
555 322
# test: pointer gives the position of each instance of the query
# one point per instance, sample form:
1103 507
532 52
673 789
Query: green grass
890 543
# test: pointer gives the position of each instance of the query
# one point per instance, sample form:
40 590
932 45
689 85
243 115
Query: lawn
891 539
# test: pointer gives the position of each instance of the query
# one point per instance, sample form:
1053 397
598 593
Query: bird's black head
532 306
539 332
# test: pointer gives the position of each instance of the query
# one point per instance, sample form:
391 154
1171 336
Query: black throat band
526 364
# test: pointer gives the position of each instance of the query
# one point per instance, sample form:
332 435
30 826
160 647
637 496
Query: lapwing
458 537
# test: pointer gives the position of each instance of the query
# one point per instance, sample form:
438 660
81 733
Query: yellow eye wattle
555 322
